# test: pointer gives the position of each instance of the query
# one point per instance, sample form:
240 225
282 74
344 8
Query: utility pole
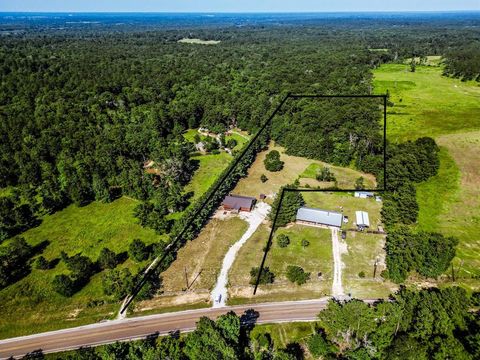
186 278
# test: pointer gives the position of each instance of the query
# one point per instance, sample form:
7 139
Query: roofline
328 211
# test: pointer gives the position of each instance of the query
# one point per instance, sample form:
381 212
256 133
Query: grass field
74 230
210 167
203 256
427 103
364 250
315 258
448 110
294 168
454 209
199 41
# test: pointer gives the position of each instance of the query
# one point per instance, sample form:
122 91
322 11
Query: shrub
305 243
263 178
272 161
360 183
64 285
42 264
107 259
319 346
117 283
267 276
138 251
297 275
326 175
361 274
283 240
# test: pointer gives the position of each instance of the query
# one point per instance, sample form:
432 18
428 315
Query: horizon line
242 12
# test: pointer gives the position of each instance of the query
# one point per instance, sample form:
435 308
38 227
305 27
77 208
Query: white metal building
311 216
362 219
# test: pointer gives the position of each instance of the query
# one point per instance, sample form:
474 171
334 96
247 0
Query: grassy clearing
74 230
454 209
364 250
241 140
284 334
203 256
210 167
427 103
199 41
432 60
315 258
294 166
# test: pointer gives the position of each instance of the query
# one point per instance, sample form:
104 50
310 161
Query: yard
191 277
294 168
315 258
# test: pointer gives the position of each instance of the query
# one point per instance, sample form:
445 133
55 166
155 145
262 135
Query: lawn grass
364 250
294 166
241 140
448 110
31 305
204 255
315 258
287 333
210 167
454 209
427 103
347 203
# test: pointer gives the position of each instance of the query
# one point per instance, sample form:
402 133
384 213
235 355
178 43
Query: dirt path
338 247
254 219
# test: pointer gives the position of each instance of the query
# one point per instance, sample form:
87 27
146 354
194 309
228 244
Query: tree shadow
39 248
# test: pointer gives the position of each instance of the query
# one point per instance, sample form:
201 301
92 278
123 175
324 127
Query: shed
312 216
362 219
363 194
238 203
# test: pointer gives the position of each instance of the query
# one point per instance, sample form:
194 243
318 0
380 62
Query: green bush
267 276
283 240
297 275
272 161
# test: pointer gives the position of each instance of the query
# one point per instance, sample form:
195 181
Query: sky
235 5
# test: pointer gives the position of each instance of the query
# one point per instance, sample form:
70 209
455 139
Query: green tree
283 240
263 178
360 183
107 259
64 285
42 264
297 275
138 251
272 161
267 277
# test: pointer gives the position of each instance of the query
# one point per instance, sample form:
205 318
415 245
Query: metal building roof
238 202
319 216
362 218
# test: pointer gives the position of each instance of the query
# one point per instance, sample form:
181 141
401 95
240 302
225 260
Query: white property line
254 219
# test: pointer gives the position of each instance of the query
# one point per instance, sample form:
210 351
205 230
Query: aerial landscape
240 181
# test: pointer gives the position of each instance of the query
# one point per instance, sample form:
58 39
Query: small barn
364 194
238 203
363 221
310 216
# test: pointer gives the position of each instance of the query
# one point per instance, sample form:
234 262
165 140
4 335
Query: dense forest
427 324
82 109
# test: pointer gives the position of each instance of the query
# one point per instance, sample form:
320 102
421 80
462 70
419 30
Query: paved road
140 327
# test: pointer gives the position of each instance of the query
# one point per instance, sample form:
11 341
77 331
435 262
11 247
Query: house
309 216
362 219
238 203
363 194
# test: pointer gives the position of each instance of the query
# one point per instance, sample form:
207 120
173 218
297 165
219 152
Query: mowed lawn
315 258
198 263
347 204
31 305
364 251
427 103
294 168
